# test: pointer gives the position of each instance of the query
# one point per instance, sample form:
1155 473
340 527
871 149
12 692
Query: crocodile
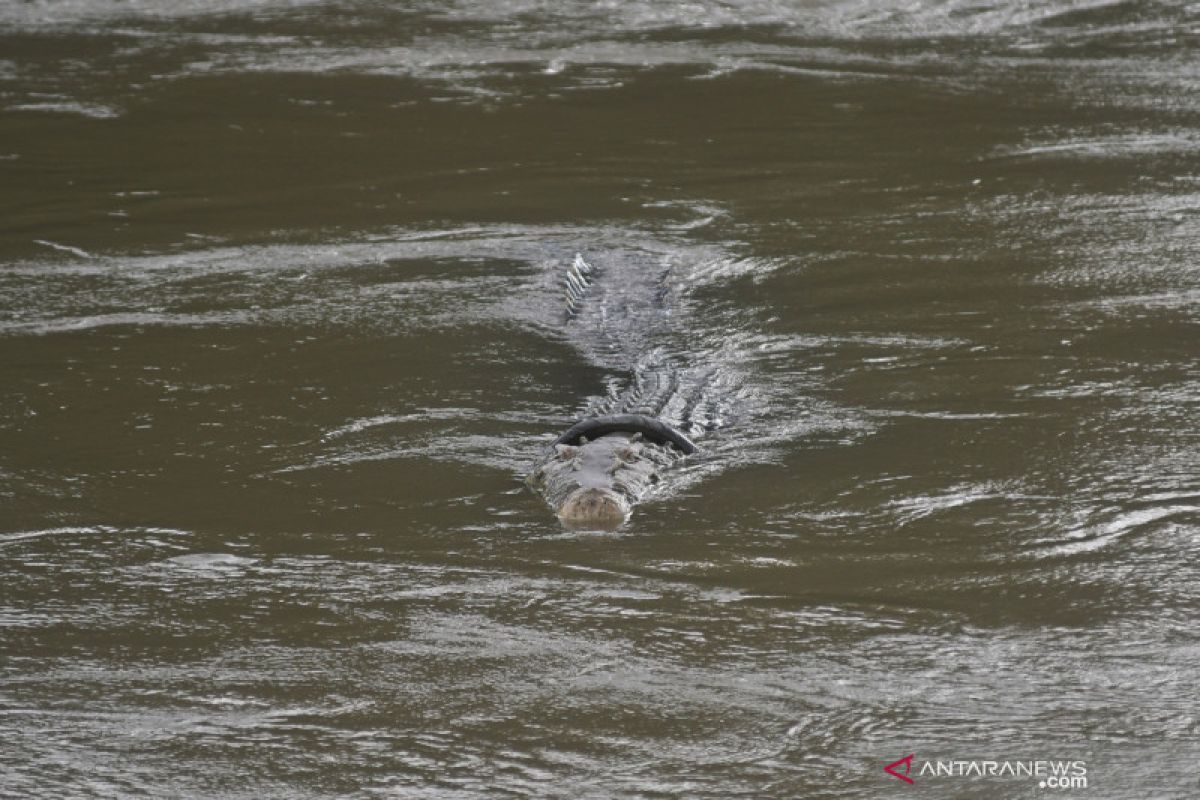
601 466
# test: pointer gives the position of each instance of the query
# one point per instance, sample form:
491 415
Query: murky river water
282 330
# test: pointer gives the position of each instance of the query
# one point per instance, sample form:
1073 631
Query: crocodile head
594 484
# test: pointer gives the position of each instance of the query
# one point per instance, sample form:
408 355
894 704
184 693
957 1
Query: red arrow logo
890 769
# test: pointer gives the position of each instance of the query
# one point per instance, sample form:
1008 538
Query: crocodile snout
594 508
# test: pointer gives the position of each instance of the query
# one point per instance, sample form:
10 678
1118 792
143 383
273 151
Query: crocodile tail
578 280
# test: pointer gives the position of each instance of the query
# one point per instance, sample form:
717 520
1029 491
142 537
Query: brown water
281 331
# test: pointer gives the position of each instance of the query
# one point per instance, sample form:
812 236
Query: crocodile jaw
594 508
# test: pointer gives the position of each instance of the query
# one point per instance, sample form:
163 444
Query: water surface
282 329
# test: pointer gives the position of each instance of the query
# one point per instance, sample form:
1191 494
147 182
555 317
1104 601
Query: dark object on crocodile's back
653 430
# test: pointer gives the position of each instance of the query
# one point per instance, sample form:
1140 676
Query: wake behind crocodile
666 379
